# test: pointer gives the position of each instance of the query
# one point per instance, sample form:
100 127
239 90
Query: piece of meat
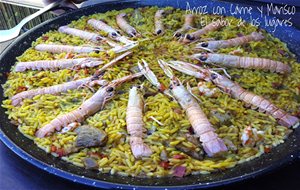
90 163
164 155
88 136
191 151
179 171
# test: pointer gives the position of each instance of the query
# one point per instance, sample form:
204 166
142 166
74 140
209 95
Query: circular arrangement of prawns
212 144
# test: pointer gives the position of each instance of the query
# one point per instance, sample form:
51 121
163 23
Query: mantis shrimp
188 24
87 108
135 124
197 34
243 62
212 144
159 26
88 81
123 24
112 33
219 44
237 92
57 64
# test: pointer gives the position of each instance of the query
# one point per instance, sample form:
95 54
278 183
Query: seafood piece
57 64
243 62
112 33
237 92
188 24
55 48
124 25
219 44
90 163
197 34
211 143
251 136
205 90
88 108
88 136
253 100
135 124
159 26
86 35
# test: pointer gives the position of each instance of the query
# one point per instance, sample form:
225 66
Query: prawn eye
158 32
214 76
203 58
110 89
98 38
178 34
204 44
190 37
114 34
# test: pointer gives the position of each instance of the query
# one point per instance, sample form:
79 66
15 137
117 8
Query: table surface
17 174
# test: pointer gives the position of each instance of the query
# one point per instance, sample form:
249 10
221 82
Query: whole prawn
88 81
112 33
81 33
87 108
135 124
17 99
197 34
243 62
159 26
57 64
55 48
212 144
125 26
253 100
86 35
219 44
188 24
237 92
